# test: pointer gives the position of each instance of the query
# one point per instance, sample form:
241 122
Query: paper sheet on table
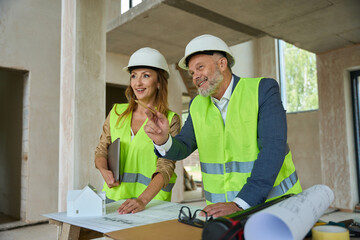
155 211
291 218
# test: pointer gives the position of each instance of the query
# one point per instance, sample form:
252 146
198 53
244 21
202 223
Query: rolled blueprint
292 218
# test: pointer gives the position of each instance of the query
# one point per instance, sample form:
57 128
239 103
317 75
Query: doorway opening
114 94
12 157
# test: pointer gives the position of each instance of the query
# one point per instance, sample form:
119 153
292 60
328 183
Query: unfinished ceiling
168 25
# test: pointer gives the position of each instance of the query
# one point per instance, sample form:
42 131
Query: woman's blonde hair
161 102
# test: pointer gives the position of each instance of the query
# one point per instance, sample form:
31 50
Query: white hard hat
204 43
148 57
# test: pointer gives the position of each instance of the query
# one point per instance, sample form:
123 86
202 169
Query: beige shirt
164 166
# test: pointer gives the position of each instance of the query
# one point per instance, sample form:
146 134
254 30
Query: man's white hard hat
148 57
205 43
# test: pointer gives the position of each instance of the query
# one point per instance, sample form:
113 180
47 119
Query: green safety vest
227 152
137 159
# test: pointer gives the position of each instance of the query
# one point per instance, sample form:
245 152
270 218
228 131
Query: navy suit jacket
271 137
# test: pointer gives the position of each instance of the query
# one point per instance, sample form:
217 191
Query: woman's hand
139 204
157 128
109 178
131 206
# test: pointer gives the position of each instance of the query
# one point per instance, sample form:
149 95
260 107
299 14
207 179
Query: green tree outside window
299 68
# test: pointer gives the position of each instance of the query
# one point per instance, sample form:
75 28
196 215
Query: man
238 126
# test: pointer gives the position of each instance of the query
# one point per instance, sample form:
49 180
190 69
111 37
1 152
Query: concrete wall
245 55
336 125
303 139
114 65
265 63
30 40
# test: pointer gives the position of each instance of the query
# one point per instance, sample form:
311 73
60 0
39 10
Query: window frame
280 46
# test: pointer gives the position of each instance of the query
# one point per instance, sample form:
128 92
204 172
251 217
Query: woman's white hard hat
148 57
205 43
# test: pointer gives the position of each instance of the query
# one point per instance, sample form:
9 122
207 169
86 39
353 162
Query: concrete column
265 58
82 93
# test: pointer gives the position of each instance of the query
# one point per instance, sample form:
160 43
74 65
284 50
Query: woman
142 175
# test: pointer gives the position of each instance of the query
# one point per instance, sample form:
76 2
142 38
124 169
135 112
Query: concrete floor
43 231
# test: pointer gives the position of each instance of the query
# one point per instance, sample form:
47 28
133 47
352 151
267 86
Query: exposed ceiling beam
214 17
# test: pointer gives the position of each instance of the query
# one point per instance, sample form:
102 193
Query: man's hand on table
221 209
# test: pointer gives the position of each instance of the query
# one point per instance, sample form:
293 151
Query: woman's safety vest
137 159
228 152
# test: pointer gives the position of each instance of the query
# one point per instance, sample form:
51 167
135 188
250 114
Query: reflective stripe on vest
138 177
214 197
218 168
240 167
284 186
277 191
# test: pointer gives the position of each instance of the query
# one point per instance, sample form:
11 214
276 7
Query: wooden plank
89 234
69 232
59 227
55 222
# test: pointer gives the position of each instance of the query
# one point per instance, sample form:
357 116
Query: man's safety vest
137 159
228 152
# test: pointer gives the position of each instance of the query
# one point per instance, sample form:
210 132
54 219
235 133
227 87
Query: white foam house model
85 203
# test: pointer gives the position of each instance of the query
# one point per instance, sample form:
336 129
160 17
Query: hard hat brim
148 57
182 62
126 69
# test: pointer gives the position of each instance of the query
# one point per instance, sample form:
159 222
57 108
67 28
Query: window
127 4
298 78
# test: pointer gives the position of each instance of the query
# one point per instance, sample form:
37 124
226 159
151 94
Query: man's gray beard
213 86
206 92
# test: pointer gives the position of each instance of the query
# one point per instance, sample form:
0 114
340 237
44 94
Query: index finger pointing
150 114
